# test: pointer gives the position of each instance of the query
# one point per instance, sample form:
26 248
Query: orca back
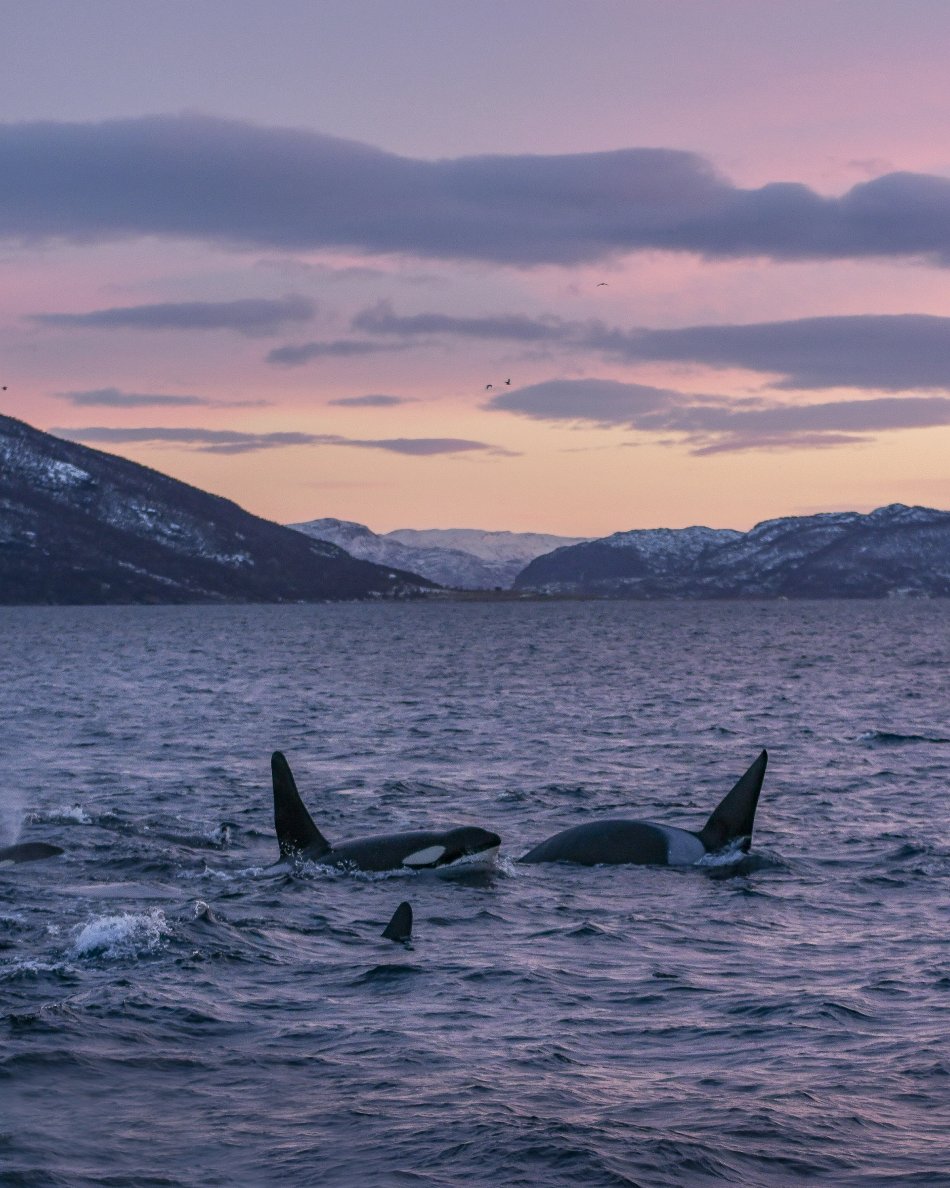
28 852
610 842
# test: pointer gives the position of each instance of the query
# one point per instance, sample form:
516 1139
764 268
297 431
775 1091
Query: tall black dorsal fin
734 816
296 832
399 927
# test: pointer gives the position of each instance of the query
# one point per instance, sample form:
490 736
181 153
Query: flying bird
601 285
508 382
488 387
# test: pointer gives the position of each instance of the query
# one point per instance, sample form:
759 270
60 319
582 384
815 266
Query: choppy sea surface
782 1020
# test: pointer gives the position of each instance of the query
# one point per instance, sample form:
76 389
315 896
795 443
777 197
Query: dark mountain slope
81 526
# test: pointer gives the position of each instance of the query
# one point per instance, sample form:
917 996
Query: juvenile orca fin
28 852
399 927
296 831
733 817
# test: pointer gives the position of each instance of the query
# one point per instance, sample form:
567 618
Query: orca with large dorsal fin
399 927
646 843
28 852
299 838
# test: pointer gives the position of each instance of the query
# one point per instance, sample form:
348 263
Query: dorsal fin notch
734 816
296 832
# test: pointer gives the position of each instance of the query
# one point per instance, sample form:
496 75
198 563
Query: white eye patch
427 857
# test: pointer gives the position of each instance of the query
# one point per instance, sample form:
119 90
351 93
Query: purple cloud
884 352
250 316
235 183
709 424
597 402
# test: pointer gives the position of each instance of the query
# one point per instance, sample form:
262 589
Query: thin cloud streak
709 424
115 398
249 316
235 183
295 355
382 319
231 441
370 401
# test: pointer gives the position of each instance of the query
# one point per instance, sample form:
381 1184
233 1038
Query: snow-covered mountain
490 546
465 558
894 550
81 526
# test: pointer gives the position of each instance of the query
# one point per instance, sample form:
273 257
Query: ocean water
175 1009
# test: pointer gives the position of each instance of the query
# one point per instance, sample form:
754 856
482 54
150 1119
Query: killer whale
433 849
28 852
644 843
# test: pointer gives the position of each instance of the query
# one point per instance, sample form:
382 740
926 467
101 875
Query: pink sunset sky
281 251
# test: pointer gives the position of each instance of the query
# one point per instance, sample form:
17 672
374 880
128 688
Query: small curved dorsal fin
399 927
734 816
296 831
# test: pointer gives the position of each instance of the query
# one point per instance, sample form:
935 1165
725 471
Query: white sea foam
485 860
31 966
349 870
64 813
728 856
74 812
127 935
220 835
226 876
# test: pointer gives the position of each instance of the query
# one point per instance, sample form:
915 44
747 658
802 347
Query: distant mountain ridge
81 526
895 550
466 558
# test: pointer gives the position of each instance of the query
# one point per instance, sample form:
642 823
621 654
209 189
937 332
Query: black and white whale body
28 852
646 843
433 849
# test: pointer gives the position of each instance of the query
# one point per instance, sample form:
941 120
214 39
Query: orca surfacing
644 843
436 849
28 852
